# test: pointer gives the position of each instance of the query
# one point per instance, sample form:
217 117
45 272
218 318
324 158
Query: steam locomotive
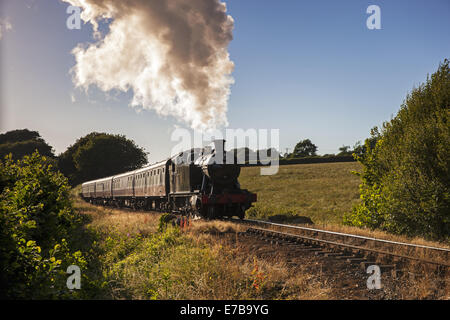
199 182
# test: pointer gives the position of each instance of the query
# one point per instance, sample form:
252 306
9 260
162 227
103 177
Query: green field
322 191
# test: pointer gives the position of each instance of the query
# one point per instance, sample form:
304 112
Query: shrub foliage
36 218
405 177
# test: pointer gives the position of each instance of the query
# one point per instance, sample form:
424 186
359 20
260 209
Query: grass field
322 191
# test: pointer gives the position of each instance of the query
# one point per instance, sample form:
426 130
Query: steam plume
171 53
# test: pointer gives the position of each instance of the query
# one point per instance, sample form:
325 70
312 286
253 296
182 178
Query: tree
66 161
99 155
18 136
406 168
23 142
304 148
344 151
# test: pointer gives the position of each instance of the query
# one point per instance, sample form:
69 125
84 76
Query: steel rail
333 243
346 235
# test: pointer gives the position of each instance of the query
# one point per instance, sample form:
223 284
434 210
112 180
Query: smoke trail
171 53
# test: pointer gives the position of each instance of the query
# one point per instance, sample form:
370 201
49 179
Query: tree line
93 156
305 148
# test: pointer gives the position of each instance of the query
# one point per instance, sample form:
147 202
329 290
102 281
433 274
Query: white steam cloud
171 53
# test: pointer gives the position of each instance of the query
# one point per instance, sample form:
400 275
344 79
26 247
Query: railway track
397 257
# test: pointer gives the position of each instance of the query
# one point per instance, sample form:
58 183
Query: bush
36 218
405 178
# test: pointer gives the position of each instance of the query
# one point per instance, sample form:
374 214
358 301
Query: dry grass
249 276
123 221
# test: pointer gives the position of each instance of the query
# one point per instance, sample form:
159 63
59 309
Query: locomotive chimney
219 145
219 150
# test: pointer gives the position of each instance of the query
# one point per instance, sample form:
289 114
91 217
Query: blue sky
309 68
